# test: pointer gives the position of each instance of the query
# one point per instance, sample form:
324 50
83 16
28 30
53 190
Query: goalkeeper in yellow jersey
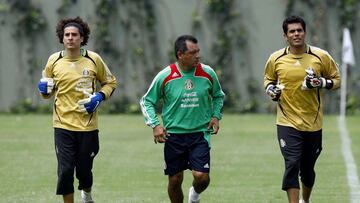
296 77
71 76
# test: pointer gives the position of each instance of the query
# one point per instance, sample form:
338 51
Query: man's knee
66 173
201 181
84 175
292 168
308 178
201 177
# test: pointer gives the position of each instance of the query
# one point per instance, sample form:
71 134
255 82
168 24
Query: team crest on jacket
86 72
189 85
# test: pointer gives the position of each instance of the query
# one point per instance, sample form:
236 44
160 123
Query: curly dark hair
84 31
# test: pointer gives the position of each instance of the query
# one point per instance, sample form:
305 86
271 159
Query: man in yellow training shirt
295 77
71 76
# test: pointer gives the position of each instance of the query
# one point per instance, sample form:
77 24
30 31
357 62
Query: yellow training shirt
298 108
73 76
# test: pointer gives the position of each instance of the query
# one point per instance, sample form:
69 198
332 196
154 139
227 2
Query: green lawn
353 125
247 166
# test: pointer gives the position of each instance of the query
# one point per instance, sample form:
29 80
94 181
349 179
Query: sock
303 201
194 194
86 195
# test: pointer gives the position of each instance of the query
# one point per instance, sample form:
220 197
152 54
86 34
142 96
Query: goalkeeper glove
90 104
311 81
46 85
274 91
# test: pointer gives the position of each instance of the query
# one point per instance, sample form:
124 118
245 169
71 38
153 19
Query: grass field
247 166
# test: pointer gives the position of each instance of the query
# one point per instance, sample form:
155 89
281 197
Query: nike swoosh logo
97 104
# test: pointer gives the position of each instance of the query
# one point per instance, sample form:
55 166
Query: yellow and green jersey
298 108
190 99
73 77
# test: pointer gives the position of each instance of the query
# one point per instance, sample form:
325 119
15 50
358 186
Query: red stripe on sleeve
199 72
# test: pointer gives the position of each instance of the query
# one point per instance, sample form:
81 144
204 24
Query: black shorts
300 150
186 151
75 151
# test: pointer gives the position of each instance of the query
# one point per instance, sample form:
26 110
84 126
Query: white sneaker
86 197
192 193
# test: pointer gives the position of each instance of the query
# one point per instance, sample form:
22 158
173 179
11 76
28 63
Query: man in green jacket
192 103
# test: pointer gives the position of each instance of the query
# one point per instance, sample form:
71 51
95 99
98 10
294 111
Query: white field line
351 169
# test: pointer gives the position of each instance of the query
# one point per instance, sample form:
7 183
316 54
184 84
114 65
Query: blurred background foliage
135 38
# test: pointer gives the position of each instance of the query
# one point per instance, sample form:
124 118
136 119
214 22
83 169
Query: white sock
194 195
86 195
303 201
